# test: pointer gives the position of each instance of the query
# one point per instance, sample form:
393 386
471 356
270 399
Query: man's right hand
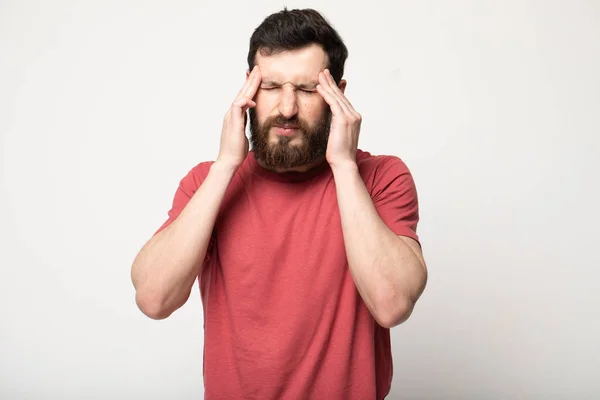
166 269
234 143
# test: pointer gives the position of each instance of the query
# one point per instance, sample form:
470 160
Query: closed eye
306 90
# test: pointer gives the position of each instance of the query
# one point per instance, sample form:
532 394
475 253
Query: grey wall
494 106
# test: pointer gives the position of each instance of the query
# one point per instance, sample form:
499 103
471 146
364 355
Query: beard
283 154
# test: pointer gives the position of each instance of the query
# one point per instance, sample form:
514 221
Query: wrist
224 168
344 167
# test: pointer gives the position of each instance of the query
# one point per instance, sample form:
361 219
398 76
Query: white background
494 106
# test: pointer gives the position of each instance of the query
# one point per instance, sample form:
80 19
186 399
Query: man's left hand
345 122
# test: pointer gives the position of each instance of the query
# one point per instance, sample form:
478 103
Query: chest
281 236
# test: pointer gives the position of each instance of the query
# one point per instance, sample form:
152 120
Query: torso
283 318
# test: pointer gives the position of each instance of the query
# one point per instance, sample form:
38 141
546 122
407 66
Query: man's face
290 124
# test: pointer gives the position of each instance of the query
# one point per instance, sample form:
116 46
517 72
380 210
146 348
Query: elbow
153 306
393 312
395 307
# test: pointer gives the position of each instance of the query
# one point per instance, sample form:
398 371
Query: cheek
314 110
264 106
261 111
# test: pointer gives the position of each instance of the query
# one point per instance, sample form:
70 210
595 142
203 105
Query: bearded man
304 247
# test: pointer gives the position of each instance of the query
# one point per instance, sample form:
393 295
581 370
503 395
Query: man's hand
234 143
165 270
345 123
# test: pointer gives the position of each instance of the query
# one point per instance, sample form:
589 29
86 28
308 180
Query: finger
248 82
326 87
331 89
338 91
253 87
239 108
243 103
330 99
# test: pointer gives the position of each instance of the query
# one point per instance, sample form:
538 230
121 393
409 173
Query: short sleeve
395 197
186 189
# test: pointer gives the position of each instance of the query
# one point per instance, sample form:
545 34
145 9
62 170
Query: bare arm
166 268
389 271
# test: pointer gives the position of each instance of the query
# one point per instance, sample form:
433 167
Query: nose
288 104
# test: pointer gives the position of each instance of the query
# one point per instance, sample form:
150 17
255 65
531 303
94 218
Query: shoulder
201 169
196 175
368 161
374 168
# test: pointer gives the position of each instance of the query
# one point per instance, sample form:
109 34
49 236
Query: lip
285 130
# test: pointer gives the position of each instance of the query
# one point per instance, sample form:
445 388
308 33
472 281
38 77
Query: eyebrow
306 86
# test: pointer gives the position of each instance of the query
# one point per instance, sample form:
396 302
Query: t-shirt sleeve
395 197
186 189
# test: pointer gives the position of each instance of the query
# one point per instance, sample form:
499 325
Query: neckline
286 177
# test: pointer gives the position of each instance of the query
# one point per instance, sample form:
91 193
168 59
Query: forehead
293 65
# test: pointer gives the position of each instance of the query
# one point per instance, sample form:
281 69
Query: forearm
166 268
388 273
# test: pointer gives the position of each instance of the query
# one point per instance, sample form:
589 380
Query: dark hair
295 29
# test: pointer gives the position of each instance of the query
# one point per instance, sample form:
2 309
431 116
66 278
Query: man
304 248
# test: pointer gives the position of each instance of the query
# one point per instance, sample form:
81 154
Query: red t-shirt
282 316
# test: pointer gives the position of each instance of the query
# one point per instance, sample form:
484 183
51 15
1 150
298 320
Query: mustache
281 120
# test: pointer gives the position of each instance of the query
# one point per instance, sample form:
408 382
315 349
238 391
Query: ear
247 73
342 85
